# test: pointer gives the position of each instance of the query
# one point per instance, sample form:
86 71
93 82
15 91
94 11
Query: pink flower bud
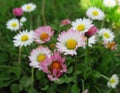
18 12
65 22
91 31
85 91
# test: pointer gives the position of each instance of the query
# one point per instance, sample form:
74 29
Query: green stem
30 21
104 77
43 12
83 86
32 76
19 55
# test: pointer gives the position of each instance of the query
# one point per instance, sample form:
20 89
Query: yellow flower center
28 7
71 44
106 35
41 57
95 13
112 80
14 24
24 38
81 27
44 36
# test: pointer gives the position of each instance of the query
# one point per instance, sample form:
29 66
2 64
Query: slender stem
32 76
19 55
30 21
43 12
83 86
86 56
104 77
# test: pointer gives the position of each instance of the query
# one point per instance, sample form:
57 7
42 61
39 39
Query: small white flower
82 25
23 19
23 38
113 81
28 7
109 3
13 24
95 13
106 34
92 40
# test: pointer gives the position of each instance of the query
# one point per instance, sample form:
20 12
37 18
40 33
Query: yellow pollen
28 7
44 36
41 57
24 38
106 35
95 13
71 44
81 27
112 80
14 24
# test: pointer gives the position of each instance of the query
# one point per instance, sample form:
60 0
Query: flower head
18 12
23 38
28 7
54 66
93 30
110 45
43 34
91 40
106 34
109 3
13 25
82 25
95 13
113 81
38 56
23 19
85 91
69 41
65 22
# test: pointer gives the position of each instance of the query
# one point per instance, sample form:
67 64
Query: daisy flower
38 56
109 3
69 41
82 25
91 40
54 66
95 13
113 81
28 7
110 45
13 24
43 34
106 34
23 19
23 38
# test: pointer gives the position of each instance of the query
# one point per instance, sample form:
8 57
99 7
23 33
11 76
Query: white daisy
69 41
82 25
92 40
95 13
38 56
106 34
23 19
13 24
28 7
113 81
109 3
23 38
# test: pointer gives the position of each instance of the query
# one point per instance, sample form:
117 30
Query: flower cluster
82 34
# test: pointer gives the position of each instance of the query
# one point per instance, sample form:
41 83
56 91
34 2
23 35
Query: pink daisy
43 34
54 66
69 41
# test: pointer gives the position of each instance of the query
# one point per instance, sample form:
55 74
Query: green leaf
14 88
45 88
32 90
75 89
